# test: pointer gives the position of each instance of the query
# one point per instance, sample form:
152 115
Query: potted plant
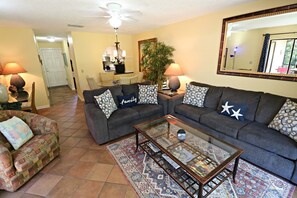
156 56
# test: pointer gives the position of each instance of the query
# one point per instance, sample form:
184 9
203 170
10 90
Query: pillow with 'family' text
285 120
233 110
148 94
195 95
127 101
106 103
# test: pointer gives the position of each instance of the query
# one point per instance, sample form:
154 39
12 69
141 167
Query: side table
170 93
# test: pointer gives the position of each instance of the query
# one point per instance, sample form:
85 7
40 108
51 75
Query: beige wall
197 49
88 50
18 45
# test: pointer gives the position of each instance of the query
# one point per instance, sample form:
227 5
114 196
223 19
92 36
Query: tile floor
83 169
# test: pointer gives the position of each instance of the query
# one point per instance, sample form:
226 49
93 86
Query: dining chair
30 105
92 83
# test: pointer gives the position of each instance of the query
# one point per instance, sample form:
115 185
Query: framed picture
140 46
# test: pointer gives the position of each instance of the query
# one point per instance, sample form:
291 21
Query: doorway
53 66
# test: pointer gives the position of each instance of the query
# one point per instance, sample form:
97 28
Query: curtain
263 56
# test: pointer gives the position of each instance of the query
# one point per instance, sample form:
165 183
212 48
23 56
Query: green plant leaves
155 58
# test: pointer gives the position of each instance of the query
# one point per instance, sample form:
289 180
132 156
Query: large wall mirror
262 44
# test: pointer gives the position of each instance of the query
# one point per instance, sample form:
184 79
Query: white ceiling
265 22
50 17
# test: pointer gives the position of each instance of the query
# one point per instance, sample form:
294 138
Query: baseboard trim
43 107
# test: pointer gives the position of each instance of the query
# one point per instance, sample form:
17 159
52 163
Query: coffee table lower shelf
185 180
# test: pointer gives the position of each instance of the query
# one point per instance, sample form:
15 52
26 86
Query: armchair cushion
16 131
34 151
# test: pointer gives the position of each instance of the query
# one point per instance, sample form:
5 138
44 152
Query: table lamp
15 80
173 71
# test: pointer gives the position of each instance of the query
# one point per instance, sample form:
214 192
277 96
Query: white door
53 64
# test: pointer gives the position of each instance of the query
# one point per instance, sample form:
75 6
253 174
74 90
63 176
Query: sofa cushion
115 91
268 107
133 88
233 110
191 112
213 94
16 131
195 95
106 103
285 120
122 117
127 100
147 110
34 151
148 94
223 124
248 98
263 137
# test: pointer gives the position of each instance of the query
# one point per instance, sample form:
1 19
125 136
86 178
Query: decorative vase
3 94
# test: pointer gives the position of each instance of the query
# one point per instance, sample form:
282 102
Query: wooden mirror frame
140 43
258 14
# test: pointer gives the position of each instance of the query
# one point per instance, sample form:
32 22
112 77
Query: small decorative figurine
181 135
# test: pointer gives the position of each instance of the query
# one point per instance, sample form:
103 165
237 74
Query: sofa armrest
42 125
175 100
7 168
97 123
163 100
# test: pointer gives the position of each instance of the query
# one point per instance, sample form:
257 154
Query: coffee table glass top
204 155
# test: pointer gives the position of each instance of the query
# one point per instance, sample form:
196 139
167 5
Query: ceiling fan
116 14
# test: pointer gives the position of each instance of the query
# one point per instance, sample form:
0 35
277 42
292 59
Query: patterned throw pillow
148 94
16 131
195 95
106 103
233 110
285 120
127 101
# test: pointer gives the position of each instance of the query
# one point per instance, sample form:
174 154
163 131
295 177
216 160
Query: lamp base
17 81
174 83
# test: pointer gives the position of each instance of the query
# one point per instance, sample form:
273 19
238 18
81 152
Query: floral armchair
18 166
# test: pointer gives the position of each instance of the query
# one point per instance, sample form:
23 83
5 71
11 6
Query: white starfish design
236 114
226 107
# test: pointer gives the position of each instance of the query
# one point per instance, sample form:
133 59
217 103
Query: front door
53 64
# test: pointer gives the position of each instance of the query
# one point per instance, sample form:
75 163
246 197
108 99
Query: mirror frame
257 14
140 44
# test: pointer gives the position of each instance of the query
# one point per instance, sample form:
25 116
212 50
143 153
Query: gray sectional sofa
121 121
262 146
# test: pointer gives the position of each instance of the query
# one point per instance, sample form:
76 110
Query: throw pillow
16 131
195 95
148 94
233 110
106 103
285 120
127 101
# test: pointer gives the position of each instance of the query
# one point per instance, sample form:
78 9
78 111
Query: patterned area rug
149 180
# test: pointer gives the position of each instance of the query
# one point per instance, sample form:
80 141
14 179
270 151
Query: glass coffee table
199 163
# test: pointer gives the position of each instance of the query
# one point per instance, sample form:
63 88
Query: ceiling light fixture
51 39
118 53
115 21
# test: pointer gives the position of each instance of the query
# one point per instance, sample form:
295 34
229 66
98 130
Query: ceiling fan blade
127 18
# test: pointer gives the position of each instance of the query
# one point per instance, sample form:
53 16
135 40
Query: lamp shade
173 70
13 68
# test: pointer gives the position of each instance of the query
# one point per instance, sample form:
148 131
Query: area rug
150 181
